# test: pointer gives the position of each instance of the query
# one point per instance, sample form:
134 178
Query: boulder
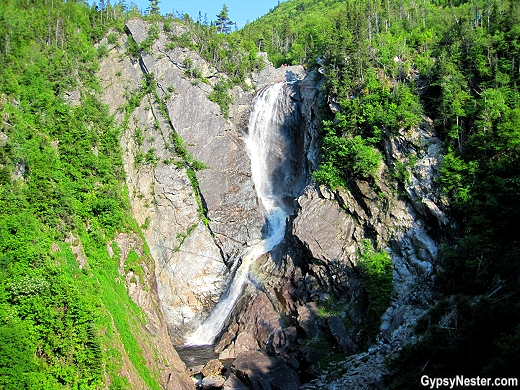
212 368
233 383
307 319
212 382
261 372
258 326
338 331
323 227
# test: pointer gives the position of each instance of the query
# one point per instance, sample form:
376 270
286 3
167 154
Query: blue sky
240 11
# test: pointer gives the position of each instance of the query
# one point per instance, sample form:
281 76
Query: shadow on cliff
290 76
259 371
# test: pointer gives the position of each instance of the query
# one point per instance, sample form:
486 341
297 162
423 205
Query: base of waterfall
196 355
212 326
250 366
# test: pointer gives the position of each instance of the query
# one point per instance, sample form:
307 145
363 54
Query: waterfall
273 177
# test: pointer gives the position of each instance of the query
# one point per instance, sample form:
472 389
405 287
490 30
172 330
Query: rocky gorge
304 297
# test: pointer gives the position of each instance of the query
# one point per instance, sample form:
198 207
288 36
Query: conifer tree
154 7
223 22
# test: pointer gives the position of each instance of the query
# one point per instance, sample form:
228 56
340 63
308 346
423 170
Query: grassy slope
61 173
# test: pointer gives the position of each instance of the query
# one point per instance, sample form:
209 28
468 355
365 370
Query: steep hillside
323 290
68 243
390 66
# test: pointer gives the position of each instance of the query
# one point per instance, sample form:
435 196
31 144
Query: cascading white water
267 152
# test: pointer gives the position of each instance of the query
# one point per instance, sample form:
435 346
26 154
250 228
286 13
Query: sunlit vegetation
62 314
377 274
387 64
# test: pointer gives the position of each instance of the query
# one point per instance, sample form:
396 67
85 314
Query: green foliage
61 172
455 326
345 155
146 223
294 32
401 170
195 185
153 35
470 91
233 53
386 65
154 7
183 236
132 48
223 23
124 312
193 72
221 96
112 37
150 157
377 275
139 137
17 346
329 175
102 51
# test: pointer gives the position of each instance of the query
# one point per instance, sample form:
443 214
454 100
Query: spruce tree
154 7
223 22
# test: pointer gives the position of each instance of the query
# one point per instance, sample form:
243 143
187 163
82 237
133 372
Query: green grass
128 318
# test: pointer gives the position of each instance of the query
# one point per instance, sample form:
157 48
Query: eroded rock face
326 236
318 260
408 227
190 281
233 383
323 227
340 334
258 328
191 271
194 261
155 343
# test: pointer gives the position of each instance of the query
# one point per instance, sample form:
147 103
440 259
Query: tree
154 7
223 22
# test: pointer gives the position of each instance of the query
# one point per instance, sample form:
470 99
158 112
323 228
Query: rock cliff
198 224
194 260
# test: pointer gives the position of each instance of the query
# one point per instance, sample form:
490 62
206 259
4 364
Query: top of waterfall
270 75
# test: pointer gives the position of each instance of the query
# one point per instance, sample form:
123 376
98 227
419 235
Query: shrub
377 273
221 96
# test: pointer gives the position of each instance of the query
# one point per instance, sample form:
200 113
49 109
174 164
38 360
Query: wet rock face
251 333
285 163
188 290
324 241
